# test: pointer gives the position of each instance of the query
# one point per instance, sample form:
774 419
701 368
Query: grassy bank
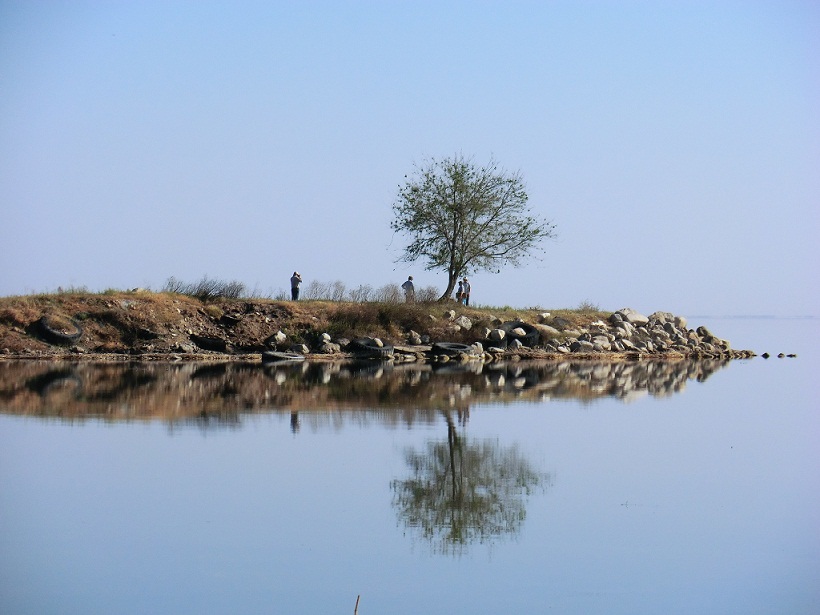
142 322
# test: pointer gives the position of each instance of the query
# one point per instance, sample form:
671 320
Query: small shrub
206 289
389 293
588 306
428 294
214 311
364 292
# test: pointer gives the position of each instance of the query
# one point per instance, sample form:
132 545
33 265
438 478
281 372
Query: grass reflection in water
223 392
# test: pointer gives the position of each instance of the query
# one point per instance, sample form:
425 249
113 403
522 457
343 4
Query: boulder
561 323
464 322
546 331
662 317
497 335
328 348
581 346
632 316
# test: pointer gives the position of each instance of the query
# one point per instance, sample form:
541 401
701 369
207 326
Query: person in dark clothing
295 280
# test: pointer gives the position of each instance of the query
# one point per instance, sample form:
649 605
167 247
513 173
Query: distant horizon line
756 316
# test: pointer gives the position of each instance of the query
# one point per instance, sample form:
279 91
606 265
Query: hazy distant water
700 501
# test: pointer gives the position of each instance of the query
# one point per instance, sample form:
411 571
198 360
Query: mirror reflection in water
463 491
220 393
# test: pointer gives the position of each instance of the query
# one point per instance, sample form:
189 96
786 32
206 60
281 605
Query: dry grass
119 321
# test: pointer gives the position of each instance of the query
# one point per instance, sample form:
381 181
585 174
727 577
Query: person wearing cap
409 290
295 280
465 291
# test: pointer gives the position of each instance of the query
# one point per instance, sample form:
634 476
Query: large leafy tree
465 218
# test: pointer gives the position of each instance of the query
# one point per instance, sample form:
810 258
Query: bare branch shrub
588 306
389 293
338 291
206 289
362 293
428 294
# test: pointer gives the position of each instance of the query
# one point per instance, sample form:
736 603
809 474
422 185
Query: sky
674 144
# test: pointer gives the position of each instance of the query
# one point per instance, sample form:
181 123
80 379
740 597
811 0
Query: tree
464 218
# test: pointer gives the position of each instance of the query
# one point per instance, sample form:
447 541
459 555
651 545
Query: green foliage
463 218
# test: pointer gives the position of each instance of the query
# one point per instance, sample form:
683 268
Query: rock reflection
322 393
462 492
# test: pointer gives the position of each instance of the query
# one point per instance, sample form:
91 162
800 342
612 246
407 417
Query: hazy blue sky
676 145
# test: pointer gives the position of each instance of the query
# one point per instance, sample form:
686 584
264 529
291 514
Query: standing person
295 280
466 291
409 290
460 292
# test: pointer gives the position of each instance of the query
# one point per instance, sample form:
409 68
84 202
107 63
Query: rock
543 317
631 316
662 317
601 343
378 342
279 337
329 348
497 335
450 314
518 331
704 333
325 338
515 345
300 348
215 344
546 331
561 323
581 346
464 322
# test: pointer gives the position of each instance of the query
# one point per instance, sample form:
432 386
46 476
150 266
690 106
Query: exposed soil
146 325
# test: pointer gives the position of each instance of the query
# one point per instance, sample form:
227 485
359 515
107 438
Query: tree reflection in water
462 492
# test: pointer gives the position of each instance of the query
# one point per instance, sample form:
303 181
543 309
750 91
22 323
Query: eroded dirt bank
167 326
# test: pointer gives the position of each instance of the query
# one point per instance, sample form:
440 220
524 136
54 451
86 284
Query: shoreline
143 326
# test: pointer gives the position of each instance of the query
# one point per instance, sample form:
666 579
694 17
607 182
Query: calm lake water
573 489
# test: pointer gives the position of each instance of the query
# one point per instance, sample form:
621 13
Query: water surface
577 489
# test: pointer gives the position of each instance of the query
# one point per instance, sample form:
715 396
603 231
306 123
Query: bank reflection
460 491
220 394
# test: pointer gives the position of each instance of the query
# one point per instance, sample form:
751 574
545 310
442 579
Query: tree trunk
452 280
